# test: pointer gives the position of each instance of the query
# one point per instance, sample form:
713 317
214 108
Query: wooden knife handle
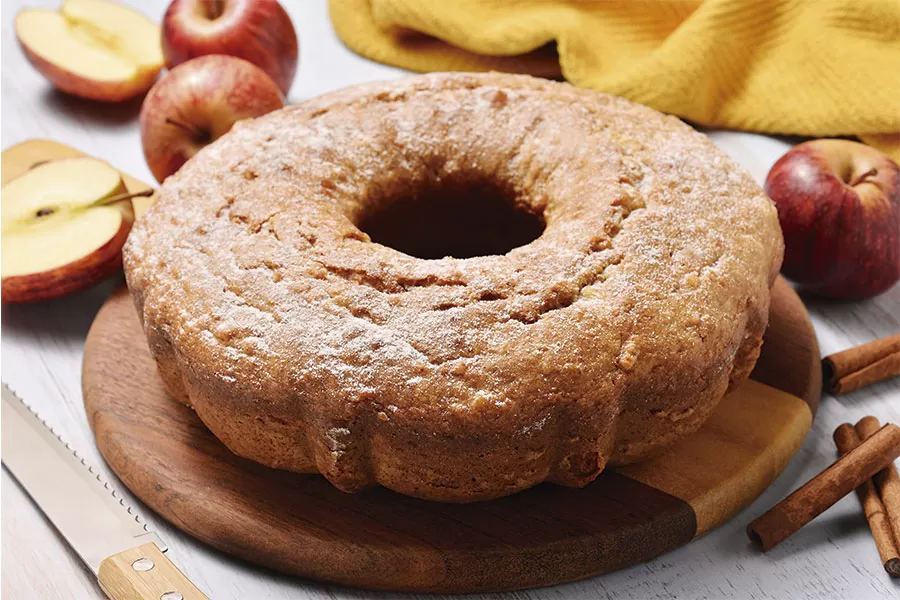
144 573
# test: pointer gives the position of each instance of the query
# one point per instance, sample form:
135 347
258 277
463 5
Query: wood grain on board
302 525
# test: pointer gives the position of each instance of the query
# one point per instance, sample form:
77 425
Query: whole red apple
198 102
839 206
259 31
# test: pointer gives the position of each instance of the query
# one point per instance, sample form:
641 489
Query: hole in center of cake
462 219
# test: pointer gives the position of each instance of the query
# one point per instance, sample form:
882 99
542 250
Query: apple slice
64 224
92 48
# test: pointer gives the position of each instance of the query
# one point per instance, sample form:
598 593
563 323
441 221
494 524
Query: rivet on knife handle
144 573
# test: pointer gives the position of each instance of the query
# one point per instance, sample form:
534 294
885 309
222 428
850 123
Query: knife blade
106 534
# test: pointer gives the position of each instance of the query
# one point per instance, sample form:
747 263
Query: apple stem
189 128
126 196
216 9
870 173
49 210
38 163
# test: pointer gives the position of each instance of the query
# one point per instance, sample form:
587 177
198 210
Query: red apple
839 206
259 31
198 102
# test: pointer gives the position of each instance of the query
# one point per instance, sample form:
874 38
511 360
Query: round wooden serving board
300 524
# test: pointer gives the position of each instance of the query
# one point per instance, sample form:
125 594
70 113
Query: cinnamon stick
863 365
847 438
887 481
842 477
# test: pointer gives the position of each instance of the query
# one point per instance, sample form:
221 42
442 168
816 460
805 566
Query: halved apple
64 225
92 48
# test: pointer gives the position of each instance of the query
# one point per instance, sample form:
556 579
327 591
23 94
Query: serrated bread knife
125 556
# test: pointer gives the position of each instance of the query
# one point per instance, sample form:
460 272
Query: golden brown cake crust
305 346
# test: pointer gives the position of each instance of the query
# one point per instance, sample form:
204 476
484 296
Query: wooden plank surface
42 351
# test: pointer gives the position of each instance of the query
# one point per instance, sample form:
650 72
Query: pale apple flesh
58 234
92 48
838 203
196 103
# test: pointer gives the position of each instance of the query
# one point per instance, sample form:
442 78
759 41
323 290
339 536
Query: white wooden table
833 557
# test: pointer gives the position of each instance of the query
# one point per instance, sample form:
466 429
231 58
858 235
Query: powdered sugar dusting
656 248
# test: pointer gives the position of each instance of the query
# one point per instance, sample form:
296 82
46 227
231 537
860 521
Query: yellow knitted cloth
804 67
